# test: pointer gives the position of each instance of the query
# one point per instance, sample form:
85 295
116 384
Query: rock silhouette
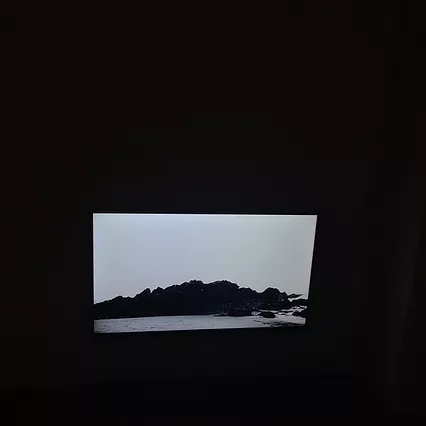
302 314
293 295
299 302
267 314
194 298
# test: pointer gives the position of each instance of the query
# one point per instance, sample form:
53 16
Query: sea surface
193 322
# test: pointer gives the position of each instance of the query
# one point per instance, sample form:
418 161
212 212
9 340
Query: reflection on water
192 322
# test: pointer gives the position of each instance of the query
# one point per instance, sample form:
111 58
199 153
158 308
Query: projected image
164 272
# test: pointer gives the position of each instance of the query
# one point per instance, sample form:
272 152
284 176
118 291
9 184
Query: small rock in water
267 314
302 314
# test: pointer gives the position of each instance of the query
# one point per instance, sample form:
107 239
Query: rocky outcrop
267 314
299 302
270 295
194 298
302 314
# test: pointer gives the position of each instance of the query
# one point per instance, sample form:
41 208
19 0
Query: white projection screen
166 272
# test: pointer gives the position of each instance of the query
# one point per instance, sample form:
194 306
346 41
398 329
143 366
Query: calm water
191 322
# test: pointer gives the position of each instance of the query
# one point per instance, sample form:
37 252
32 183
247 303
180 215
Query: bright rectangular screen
164 272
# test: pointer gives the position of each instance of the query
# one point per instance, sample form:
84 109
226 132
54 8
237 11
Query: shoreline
193 322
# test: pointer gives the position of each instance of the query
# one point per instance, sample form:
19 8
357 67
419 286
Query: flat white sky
136 251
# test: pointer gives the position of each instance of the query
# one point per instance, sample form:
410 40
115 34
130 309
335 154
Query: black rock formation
271 295
302 314
193 298
299 302
267 314
293 295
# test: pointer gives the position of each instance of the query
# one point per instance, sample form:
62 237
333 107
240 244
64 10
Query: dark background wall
336 134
